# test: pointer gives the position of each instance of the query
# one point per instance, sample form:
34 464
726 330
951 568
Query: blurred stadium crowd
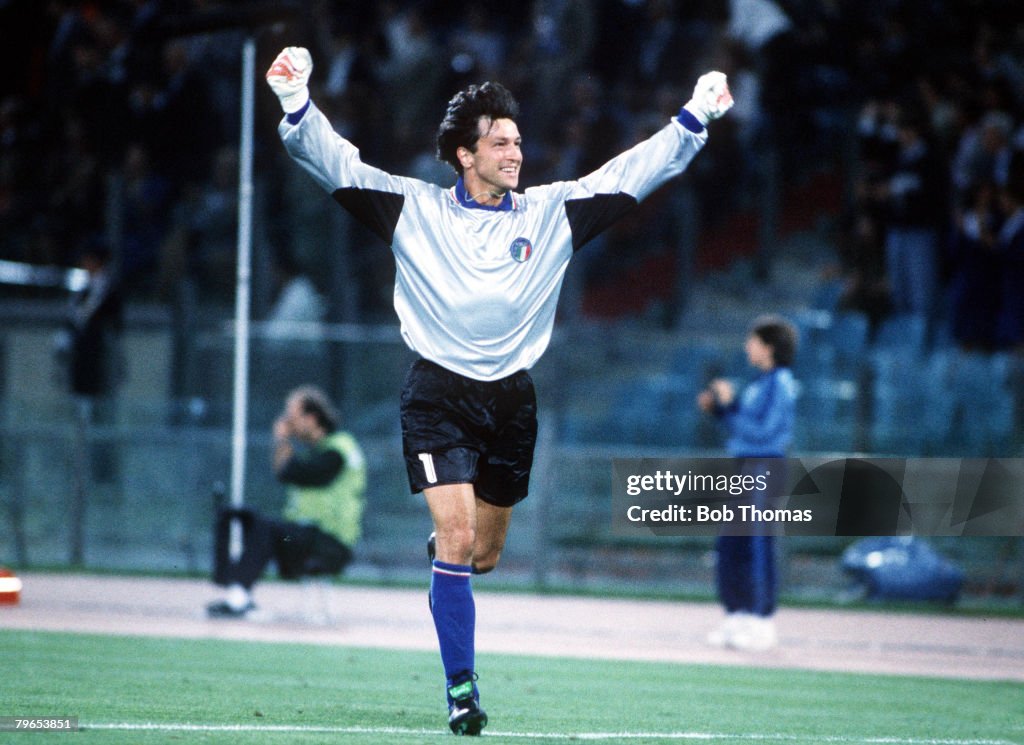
110 127
935 227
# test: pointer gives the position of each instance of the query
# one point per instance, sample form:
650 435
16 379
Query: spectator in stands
477 43
974 261
766 41
409 72
560 40
298 303
759 424
184 89
76 197
325 473
916 200
145 203
95 324
983 152
862 260
91 346
212 232
1010 245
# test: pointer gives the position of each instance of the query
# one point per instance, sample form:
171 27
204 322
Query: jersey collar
508 202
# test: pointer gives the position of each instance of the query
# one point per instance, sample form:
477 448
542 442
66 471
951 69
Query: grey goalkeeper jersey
476 287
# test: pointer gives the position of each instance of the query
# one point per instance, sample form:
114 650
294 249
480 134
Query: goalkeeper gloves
288 78
711 97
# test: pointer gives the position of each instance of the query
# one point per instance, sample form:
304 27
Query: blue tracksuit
759 423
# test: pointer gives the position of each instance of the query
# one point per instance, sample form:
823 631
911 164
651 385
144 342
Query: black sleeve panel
591 215
318 469
377 210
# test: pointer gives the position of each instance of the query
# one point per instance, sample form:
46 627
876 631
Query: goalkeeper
479 269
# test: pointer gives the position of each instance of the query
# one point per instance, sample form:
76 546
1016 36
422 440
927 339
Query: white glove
711 97
288 77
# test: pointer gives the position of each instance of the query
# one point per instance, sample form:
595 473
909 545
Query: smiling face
493 169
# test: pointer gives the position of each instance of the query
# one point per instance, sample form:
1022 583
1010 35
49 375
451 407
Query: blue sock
454 614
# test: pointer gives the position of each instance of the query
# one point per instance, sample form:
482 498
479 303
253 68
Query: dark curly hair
460 127
778 333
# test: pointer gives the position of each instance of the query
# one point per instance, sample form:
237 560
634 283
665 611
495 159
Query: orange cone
10 587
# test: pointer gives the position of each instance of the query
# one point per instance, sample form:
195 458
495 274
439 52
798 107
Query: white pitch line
595 736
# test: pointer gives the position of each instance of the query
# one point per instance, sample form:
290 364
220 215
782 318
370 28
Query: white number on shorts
428 466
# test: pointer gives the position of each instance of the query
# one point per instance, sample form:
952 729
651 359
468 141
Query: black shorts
456 430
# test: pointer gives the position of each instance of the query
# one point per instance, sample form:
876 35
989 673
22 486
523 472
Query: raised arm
600 198
641 169
373 196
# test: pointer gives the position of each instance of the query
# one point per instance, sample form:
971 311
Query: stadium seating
905 406
978 387
946 403
654 409
848 337
831 342
906 332
828 413
827 295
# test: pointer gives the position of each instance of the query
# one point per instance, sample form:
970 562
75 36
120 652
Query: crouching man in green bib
325 474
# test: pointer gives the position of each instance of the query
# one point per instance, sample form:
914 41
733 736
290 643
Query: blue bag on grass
902 568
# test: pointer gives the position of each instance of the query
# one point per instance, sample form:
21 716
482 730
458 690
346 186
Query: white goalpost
243 295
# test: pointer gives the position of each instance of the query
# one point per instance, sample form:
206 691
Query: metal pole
79 498
543 544
686 207
242 294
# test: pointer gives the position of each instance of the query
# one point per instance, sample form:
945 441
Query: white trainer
723 635
755 634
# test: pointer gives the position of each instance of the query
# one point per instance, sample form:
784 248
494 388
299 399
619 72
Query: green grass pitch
144 690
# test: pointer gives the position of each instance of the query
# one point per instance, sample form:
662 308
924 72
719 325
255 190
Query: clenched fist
711 97
288 77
